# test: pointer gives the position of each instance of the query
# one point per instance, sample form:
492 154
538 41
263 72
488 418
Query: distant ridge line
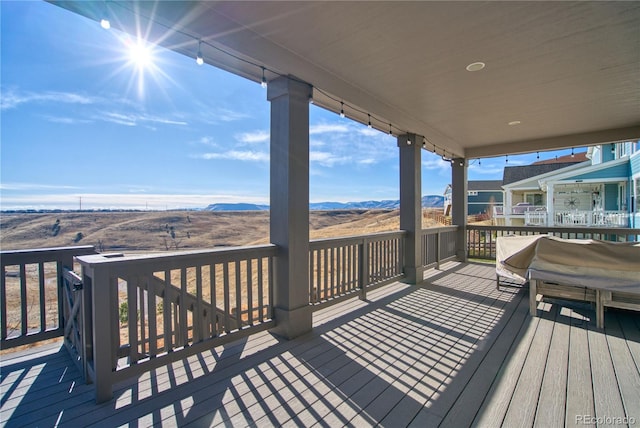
428 201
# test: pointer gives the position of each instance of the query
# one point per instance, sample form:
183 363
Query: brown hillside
161 231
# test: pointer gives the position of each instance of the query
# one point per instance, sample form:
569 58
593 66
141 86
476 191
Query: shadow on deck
453 352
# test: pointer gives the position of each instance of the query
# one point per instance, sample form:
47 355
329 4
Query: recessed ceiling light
475 66
514 123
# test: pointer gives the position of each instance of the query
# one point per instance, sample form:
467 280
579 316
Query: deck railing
481 240
339 267
31 293
130 314
157 309
438 244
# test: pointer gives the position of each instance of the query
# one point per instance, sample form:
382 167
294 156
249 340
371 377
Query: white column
508 203
411 204
551 216
459 205
289 194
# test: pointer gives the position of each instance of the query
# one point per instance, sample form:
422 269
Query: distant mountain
428 201
432 201
236 207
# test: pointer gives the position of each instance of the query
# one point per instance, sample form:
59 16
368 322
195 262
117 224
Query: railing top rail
176 259
434 230
545 229
11 257
354 239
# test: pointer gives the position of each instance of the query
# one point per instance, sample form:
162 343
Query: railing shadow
401 358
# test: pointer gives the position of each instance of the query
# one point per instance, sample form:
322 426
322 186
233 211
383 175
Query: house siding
635 164
616 171
481 203
611 197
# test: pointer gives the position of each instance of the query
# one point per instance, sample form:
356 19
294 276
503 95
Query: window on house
635 204
534 198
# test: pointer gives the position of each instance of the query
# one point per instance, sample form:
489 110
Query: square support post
289 214
411 205
551 217
459 205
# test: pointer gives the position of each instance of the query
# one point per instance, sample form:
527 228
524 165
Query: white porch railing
591 218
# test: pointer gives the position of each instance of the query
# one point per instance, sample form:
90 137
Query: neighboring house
601 191
482 196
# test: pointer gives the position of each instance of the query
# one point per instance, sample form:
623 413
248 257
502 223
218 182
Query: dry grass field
171 230
135 232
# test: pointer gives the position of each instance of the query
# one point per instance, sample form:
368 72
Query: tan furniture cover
612 266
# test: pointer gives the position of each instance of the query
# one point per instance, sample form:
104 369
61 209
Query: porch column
459 205
506 210
411 204
289 212
551 220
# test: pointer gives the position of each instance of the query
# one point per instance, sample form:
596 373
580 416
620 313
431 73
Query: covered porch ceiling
568 72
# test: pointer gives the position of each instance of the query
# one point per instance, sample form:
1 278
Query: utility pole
80 203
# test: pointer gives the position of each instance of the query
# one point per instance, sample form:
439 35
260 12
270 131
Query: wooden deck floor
454 352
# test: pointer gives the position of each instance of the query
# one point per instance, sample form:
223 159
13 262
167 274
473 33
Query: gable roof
512 174
485 185
575 158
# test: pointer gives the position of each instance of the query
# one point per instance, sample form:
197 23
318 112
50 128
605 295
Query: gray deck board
452 352
627 374
579 384
606 392
553 393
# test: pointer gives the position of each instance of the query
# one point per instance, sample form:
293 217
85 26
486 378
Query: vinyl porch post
289 214
411 205
459 205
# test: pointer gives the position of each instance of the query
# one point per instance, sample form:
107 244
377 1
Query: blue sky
81 121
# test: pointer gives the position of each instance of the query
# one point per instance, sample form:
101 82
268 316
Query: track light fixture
572 155
199 58
264 80
104 22
369 124
390 132
342 109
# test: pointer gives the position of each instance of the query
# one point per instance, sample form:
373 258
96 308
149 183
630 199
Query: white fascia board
566 175
538 178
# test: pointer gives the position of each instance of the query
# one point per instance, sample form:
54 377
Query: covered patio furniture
606 273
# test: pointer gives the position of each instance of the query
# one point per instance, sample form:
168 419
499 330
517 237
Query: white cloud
259 136
369 132
227 115
327 159
368 161
135 119
207 141
324 128
437 164
126 201
486 169
316 143
12 98
33 186
66 120
245 155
